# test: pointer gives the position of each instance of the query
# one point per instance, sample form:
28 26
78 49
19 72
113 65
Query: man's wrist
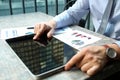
52 23
110 52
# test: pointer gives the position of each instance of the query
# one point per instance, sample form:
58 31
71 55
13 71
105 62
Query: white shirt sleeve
73 14
118 43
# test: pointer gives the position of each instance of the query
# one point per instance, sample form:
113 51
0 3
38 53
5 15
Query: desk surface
12 68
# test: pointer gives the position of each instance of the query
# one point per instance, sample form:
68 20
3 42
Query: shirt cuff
63 20
118 43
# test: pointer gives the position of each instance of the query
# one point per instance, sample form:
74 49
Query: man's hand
43 33
90 59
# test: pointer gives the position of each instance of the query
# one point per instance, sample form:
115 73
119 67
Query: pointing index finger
75 59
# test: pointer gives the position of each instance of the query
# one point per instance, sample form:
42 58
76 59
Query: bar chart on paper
76 39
